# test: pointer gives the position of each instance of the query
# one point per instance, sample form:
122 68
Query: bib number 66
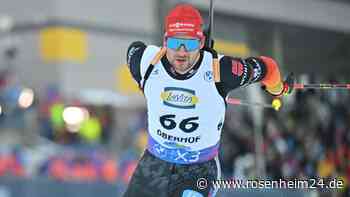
187 125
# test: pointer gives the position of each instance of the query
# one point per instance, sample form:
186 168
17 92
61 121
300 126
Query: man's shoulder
140 50
208 53
147 56
149 53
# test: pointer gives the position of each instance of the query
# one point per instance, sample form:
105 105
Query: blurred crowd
72 122
309 138
71 142
69 164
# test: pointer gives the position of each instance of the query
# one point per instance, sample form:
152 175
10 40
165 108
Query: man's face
183 52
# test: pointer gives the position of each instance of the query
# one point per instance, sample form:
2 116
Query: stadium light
26 98
74 116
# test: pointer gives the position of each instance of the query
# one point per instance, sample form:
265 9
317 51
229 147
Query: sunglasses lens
189 44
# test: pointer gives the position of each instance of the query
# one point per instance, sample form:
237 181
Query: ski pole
276 103
301 86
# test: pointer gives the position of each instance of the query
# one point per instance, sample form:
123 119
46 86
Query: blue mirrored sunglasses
189 44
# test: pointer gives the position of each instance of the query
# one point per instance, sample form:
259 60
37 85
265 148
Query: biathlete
186 107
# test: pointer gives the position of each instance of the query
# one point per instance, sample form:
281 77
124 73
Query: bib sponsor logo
179 98
155 72
171 138
177 155
177 25
208 76
176 145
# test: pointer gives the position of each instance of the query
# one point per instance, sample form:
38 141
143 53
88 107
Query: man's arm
133 58
237 72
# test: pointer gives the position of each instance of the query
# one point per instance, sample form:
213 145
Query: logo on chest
208 76
179 97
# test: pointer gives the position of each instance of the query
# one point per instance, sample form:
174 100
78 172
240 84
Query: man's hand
289 84
283 88
272 81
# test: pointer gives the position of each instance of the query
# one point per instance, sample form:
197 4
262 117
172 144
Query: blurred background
73 123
